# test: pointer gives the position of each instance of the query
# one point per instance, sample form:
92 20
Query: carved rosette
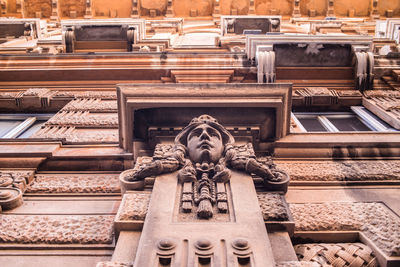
12 185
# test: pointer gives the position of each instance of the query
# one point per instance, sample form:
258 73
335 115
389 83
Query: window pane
31 130
312 125
349 124
7 125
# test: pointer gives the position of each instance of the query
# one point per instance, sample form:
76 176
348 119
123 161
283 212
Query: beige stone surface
281 7
31 7
106 8
389 5
72 5
242 6
361 7
134 206
183 7
319 6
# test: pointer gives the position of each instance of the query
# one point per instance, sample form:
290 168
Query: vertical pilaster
20 7
54 10
88 10
252 7
331 9
135 9
3 5
374 9
170 9
296 9
217 12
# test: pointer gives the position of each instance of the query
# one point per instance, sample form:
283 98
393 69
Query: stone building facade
199 133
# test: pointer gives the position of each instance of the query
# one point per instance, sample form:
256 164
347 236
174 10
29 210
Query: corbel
54 10
331 9
296 9
135 13
170 9
3 4
88 9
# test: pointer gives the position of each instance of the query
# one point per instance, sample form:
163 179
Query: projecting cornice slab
258 111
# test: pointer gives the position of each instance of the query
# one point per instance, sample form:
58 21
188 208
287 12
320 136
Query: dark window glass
312 125
349 124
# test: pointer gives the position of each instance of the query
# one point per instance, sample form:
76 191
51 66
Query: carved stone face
204 144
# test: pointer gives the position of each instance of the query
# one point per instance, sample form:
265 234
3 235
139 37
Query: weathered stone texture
31 7
84 118
341 170
56 229
71 134
88 94
297 264
70 183
134 207
72 5
112 264
374 219
273 207
90 104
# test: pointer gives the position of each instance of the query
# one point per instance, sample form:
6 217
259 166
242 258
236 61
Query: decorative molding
83 118
74 183
91 104
357 170
386 108
56 229
134 207
337 254
375 220
106 95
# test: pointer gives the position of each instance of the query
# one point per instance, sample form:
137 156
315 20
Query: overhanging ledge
267 107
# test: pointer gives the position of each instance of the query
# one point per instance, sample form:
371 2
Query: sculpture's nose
204 135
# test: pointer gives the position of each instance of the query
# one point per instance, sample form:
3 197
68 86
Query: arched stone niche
76 6
274 7
343 8
159 6
384 5
201 8
241 7
112 9
32 7
319 6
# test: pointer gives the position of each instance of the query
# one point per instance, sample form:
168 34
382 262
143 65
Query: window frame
367 118
27 120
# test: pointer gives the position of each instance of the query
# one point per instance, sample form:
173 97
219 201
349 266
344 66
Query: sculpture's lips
205 144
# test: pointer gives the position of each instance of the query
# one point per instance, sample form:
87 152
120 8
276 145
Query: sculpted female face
204 144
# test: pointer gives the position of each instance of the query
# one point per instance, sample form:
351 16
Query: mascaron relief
203 153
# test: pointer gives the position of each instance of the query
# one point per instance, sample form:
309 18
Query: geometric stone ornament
375 220
337 254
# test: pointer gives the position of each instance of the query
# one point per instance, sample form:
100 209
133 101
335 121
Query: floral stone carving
203 154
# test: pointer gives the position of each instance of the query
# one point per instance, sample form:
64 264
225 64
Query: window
359 119
21 125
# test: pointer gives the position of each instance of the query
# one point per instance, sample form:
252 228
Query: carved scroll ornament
204 152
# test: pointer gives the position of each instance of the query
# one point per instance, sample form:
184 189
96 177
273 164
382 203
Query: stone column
54 10
170 9
88 10
374 9
331 10
296 9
